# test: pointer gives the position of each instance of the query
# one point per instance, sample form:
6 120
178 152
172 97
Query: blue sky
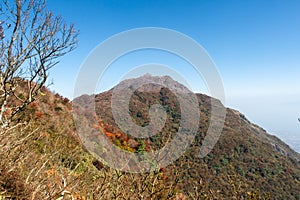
255 45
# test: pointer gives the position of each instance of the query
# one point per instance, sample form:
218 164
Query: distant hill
45 158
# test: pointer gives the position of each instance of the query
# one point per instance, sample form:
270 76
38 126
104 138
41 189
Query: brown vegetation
43 158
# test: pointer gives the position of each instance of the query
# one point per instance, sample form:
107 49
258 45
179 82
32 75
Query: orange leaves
50 172
109 134
39 114
96 126
119 138
34 105
162 174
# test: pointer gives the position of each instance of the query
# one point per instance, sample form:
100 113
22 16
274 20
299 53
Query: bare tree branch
34 41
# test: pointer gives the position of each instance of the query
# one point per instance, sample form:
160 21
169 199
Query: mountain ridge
244 149
46 158
276 142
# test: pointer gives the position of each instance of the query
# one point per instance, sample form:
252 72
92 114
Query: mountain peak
149 82
244 150
147 75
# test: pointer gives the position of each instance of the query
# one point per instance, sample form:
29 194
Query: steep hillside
245 153
43 157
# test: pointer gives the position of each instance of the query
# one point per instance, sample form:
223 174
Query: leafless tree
32 39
